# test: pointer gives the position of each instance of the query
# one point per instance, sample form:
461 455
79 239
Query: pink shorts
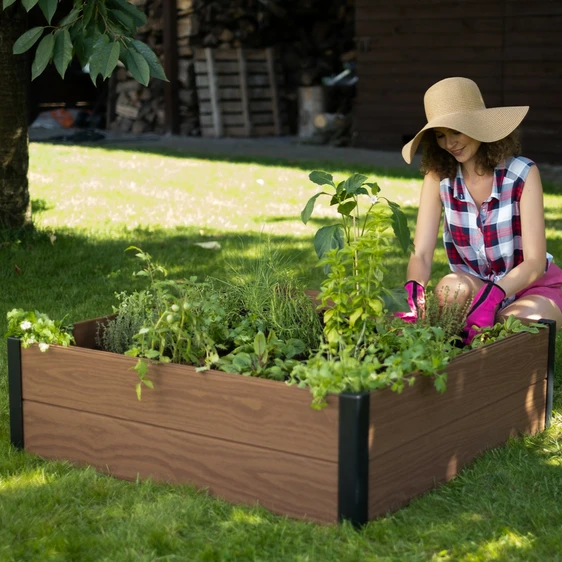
549 286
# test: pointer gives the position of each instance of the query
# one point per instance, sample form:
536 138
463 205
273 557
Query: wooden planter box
250 440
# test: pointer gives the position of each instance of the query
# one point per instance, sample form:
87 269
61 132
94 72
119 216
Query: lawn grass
90 205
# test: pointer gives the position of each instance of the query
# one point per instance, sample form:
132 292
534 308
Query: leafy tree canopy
100 33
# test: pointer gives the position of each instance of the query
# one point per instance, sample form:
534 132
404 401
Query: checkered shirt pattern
485 242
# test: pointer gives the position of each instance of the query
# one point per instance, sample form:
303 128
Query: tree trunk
15 209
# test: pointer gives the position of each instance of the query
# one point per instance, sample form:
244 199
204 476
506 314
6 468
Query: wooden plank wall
511 48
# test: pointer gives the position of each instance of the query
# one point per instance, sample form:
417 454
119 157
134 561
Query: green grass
90 204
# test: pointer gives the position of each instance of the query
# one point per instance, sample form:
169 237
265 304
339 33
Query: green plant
267 357
500 330
36 327
352 252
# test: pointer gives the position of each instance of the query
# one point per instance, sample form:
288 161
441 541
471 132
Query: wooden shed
511 48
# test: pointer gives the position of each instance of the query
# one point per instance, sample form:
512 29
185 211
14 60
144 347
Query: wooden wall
511 48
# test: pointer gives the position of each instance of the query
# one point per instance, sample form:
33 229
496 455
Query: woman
492 202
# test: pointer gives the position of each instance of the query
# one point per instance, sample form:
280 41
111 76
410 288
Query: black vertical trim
550 368
15 392
353 468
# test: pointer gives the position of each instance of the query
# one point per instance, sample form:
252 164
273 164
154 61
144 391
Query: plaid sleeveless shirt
485 242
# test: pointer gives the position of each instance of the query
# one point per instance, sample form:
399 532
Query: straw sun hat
456 103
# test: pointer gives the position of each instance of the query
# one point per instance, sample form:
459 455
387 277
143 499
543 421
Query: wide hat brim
484 125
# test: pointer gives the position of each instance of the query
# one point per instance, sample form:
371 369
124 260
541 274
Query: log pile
313 39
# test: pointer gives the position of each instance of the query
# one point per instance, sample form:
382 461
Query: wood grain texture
232 407
294 485
400 474
476 380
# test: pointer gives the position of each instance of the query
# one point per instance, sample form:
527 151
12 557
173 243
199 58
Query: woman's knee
532 308
457 287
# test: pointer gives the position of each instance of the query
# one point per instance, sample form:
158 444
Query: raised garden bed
250 440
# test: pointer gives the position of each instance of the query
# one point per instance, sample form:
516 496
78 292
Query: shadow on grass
326 164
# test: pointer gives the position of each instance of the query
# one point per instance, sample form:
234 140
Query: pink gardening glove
416 301
482 313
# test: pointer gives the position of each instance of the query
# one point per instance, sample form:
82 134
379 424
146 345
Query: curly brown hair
488 156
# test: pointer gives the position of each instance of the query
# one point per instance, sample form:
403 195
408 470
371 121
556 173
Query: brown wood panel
232 407
418 466
532 69
428 72
289 484
380 54
519 8
526 53
476 379
226 68
532 24
432 41
442 27
428 9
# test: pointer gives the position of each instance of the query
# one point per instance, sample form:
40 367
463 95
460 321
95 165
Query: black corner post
15 392
353 471
550 368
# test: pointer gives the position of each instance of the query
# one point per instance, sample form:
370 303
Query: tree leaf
321 178
328 238
27 40
400 227
43 55
70 18
62 54
138 17
306 213
87 12
7 3
28 4
124 20
48 7
150 57
104 59
136 65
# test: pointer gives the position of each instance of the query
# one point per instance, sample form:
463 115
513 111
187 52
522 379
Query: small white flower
374 199
260 181
25 325
43 346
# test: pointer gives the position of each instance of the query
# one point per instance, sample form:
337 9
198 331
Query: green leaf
400 227
88 12
259 344
354 182
62 54
27 40
138 17
7 3
355 316
43 55
322 178
328 238
306 213
346 208
28 4
150 57
48 7
70 18
103 60
374 187
124 20
136 65
139 391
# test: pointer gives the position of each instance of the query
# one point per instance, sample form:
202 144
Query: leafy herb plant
36 327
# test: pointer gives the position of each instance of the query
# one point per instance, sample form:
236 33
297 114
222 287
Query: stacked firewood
140 109
314 40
